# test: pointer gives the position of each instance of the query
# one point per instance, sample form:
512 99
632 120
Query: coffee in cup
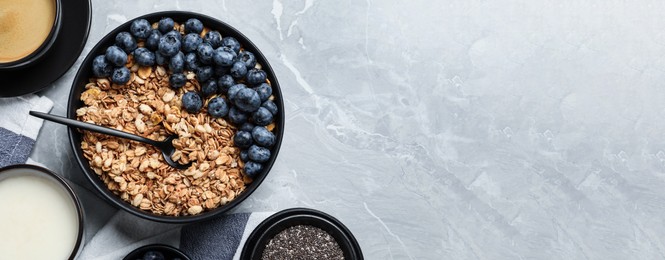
25 26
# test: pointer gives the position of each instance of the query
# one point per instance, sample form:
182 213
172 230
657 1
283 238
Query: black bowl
168 251
85 72
44 48
41 172
273 225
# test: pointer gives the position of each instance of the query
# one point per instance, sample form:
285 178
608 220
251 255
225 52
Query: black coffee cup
37 54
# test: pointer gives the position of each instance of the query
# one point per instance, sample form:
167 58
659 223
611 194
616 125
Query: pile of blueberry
155 255
233 87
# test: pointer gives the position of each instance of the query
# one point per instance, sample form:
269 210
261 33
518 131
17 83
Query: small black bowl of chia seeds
301 233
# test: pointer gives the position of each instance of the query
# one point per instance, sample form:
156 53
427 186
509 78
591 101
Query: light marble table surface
451 129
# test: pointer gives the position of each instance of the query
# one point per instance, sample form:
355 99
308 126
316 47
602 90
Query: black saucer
64 52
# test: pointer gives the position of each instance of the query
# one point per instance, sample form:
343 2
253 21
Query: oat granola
137 172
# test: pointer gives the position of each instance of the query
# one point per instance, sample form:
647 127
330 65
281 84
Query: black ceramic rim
74 197
271 226
168 251
37 54
84 73
74 29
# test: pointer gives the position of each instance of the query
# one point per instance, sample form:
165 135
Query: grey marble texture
452 129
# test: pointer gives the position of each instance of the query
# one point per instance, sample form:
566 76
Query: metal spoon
165 146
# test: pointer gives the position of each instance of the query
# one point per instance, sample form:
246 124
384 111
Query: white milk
38 219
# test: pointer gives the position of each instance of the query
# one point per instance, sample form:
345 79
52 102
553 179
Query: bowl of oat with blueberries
184 74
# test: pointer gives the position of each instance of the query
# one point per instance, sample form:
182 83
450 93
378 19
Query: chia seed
302 242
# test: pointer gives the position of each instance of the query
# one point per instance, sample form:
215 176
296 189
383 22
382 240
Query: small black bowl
18 170
273 225
44 48
85 72
168 251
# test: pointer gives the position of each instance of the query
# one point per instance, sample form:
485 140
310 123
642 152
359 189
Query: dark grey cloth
214 239
14 148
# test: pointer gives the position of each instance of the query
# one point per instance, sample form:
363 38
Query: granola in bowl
136 172
142 97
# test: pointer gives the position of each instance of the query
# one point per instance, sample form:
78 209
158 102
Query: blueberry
192 102
209 88
233 91
236 116
217 107
153 255
205 53
264 91
169 45
263 137
252 169
191 42
177 80
220 71
175 34
214 38
224 57
116 56
262 117
152 42
165 25
248 58
126 42
120 76
238 70
247 100
268 104
144 57
160 59
231 43
177 63
100 67
193 26
256 76
258 153
246 127
203 73
243 155
224 83
243 139
191 61
140 28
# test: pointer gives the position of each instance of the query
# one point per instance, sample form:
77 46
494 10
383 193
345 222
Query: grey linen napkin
220 238
19 130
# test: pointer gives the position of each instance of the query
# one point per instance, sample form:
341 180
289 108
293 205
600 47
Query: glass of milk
41 216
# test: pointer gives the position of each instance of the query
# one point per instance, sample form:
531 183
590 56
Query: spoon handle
93 127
